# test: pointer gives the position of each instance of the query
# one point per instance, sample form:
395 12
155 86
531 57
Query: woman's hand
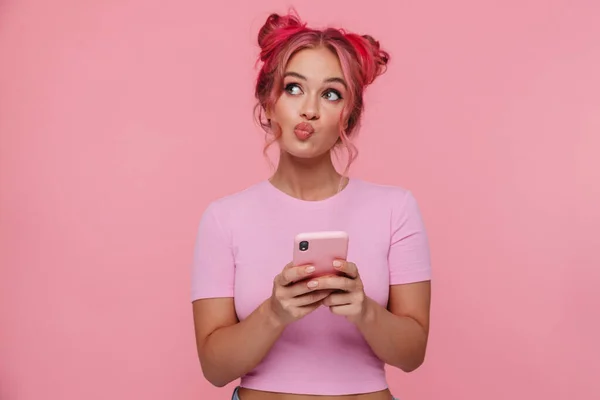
348 297
294 295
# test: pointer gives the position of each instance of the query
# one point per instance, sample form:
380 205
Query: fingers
341 299
294 282
311 298
348 268
301 288
336 283
291 274
317 284
338 299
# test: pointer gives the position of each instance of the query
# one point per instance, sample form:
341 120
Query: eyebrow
299 76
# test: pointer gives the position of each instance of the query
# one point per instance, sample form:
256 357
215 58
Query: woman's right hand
294 294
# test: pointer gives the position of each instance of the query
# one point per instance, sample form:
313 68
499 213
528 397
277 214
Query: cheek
283 109
331 118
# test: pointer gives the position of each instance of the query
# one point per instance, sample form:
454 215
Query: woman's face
308 111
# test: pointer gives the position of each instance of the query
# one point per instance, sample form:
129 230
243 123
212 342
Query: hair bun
276 28
380 57
373 60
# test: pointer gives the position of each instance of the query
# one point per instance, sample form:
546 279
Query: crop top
245 239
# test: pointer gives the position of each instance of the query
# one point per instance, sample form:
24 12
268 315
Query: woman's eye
332 95
292 88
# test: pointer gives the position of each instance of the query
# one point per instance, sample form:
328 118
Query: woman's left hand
349 297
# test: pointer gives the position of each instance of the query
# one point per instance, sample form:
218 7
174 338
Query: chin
308 149
303 150
304 153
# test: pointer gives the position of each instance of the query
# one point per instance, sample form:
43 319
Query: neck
313 180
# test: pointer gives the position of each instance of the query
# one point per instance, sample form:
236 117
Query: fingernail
337 264
313 284
310 269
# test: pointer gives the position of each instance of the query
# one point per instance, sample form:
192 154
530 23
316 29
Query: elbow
415 357
218 384
410 364
413 366
214 376
215 380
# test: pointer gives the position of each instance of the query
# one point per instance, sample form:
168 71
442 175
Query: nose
310 108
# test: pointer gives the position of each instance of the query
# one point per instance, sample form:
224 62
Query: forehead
315 64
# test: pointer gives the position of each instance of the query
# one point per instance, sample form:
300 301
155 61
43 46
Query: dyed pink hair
360 58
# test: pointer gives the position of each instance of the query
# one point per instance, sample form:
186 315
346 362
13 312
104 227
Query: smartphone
320 249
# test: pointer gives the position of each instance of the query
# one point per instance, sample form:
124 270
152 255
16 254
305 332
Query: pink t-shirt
245 239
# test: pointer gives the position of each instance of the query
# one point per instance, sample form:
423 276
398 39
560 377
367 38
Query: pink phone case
320 249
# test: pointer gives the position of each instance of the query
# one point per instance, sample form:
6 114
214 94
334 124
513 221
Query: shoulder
222 208
398 202
242 196
392 195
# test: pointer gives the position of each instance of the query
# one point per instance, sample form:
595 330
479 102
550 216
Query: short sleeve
213 263
409 257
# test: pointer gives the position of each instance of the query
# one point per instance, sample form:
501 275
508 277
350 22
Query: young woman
260 318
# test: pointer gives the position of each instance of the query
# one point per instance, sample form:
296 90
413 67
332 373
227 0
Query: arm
399 336
229 349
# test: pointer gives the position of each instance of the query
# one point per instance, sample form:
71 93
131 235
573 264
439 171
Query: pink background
121 120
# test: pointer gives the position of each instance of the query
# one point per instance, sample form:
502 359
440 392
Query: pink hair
360 58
